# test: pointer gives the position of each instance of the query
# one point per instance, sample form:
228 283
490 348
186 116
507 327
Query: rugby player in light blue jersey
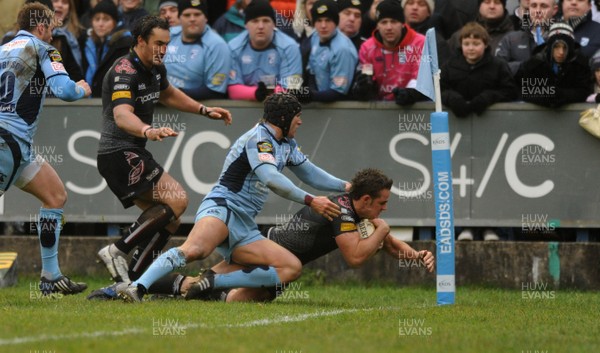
28 67
225 218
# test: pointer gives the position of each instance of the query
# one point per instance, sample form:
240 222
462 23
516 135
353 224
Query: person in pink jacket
389 60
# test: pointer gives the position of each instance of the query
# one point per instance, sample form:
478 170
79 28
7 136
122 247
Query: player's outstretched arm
317 177
282 186
127 121
174 98
400 250
66 89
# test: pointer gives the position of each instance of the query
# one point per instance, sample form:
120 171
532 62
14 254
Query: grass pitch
311 318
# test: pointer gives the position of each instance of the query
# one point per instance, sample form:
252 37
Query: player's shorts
18 165
129 173
242 227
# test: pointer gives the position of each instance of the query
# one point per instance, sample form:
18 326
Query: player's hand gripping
323 206
86 88
428 259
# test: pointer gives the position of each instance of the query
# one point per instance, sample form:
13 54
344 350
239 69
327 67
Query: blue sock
163 265
49 226
254 278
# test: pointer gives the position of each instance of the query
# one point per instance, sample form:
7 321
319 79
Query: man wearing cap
225 218
393 53
494 18
169 10
198 60
264 59
351 20
578 14
332 59
518 46
558 74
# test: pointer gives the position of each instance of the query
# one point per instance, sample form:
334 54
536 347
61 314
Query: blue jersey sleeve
65 88
51 62
236 47
317 177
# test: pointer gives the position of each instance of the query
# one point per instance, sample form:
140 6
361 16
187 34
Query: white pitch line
134 330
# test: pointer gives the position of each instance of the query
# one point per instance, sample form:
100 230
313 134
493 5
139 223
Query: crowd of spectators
330 50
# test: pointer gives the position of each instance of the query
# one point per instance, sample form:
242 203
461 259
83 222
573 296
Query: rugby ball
365 228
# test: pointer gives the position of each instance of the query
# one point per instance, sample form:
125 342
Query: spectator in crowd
494 18
473 79
517 46
420 16
68 26
595 66
59 41
389 60
558 74
520 17
168 9
578 14
369 20
264 59
130 11
198 60
351 20
231 23
333 58
105 43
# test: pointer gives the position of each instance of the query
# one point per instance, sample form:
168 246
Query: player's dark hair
33 14
143 27
370 182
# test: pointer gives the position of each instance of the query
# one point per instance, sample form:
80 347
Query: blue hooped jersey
26 63
333 63
281 59
238 181
205 62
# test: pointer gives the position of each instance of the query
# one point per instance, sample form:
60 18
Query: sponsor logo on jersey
121 87
264 147
15 44
150 96
57 66
347 227
246 59
125 67
218 79
214 212
142 86
266 157
340 81
121 94
344 201
347 218
54 56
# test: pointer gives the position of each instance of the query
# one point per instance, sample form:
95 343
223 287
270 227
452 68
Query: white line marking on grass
253 323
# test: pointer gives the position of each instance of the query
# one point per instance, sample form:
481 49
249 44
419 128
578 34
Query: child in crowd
473 79
557 74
